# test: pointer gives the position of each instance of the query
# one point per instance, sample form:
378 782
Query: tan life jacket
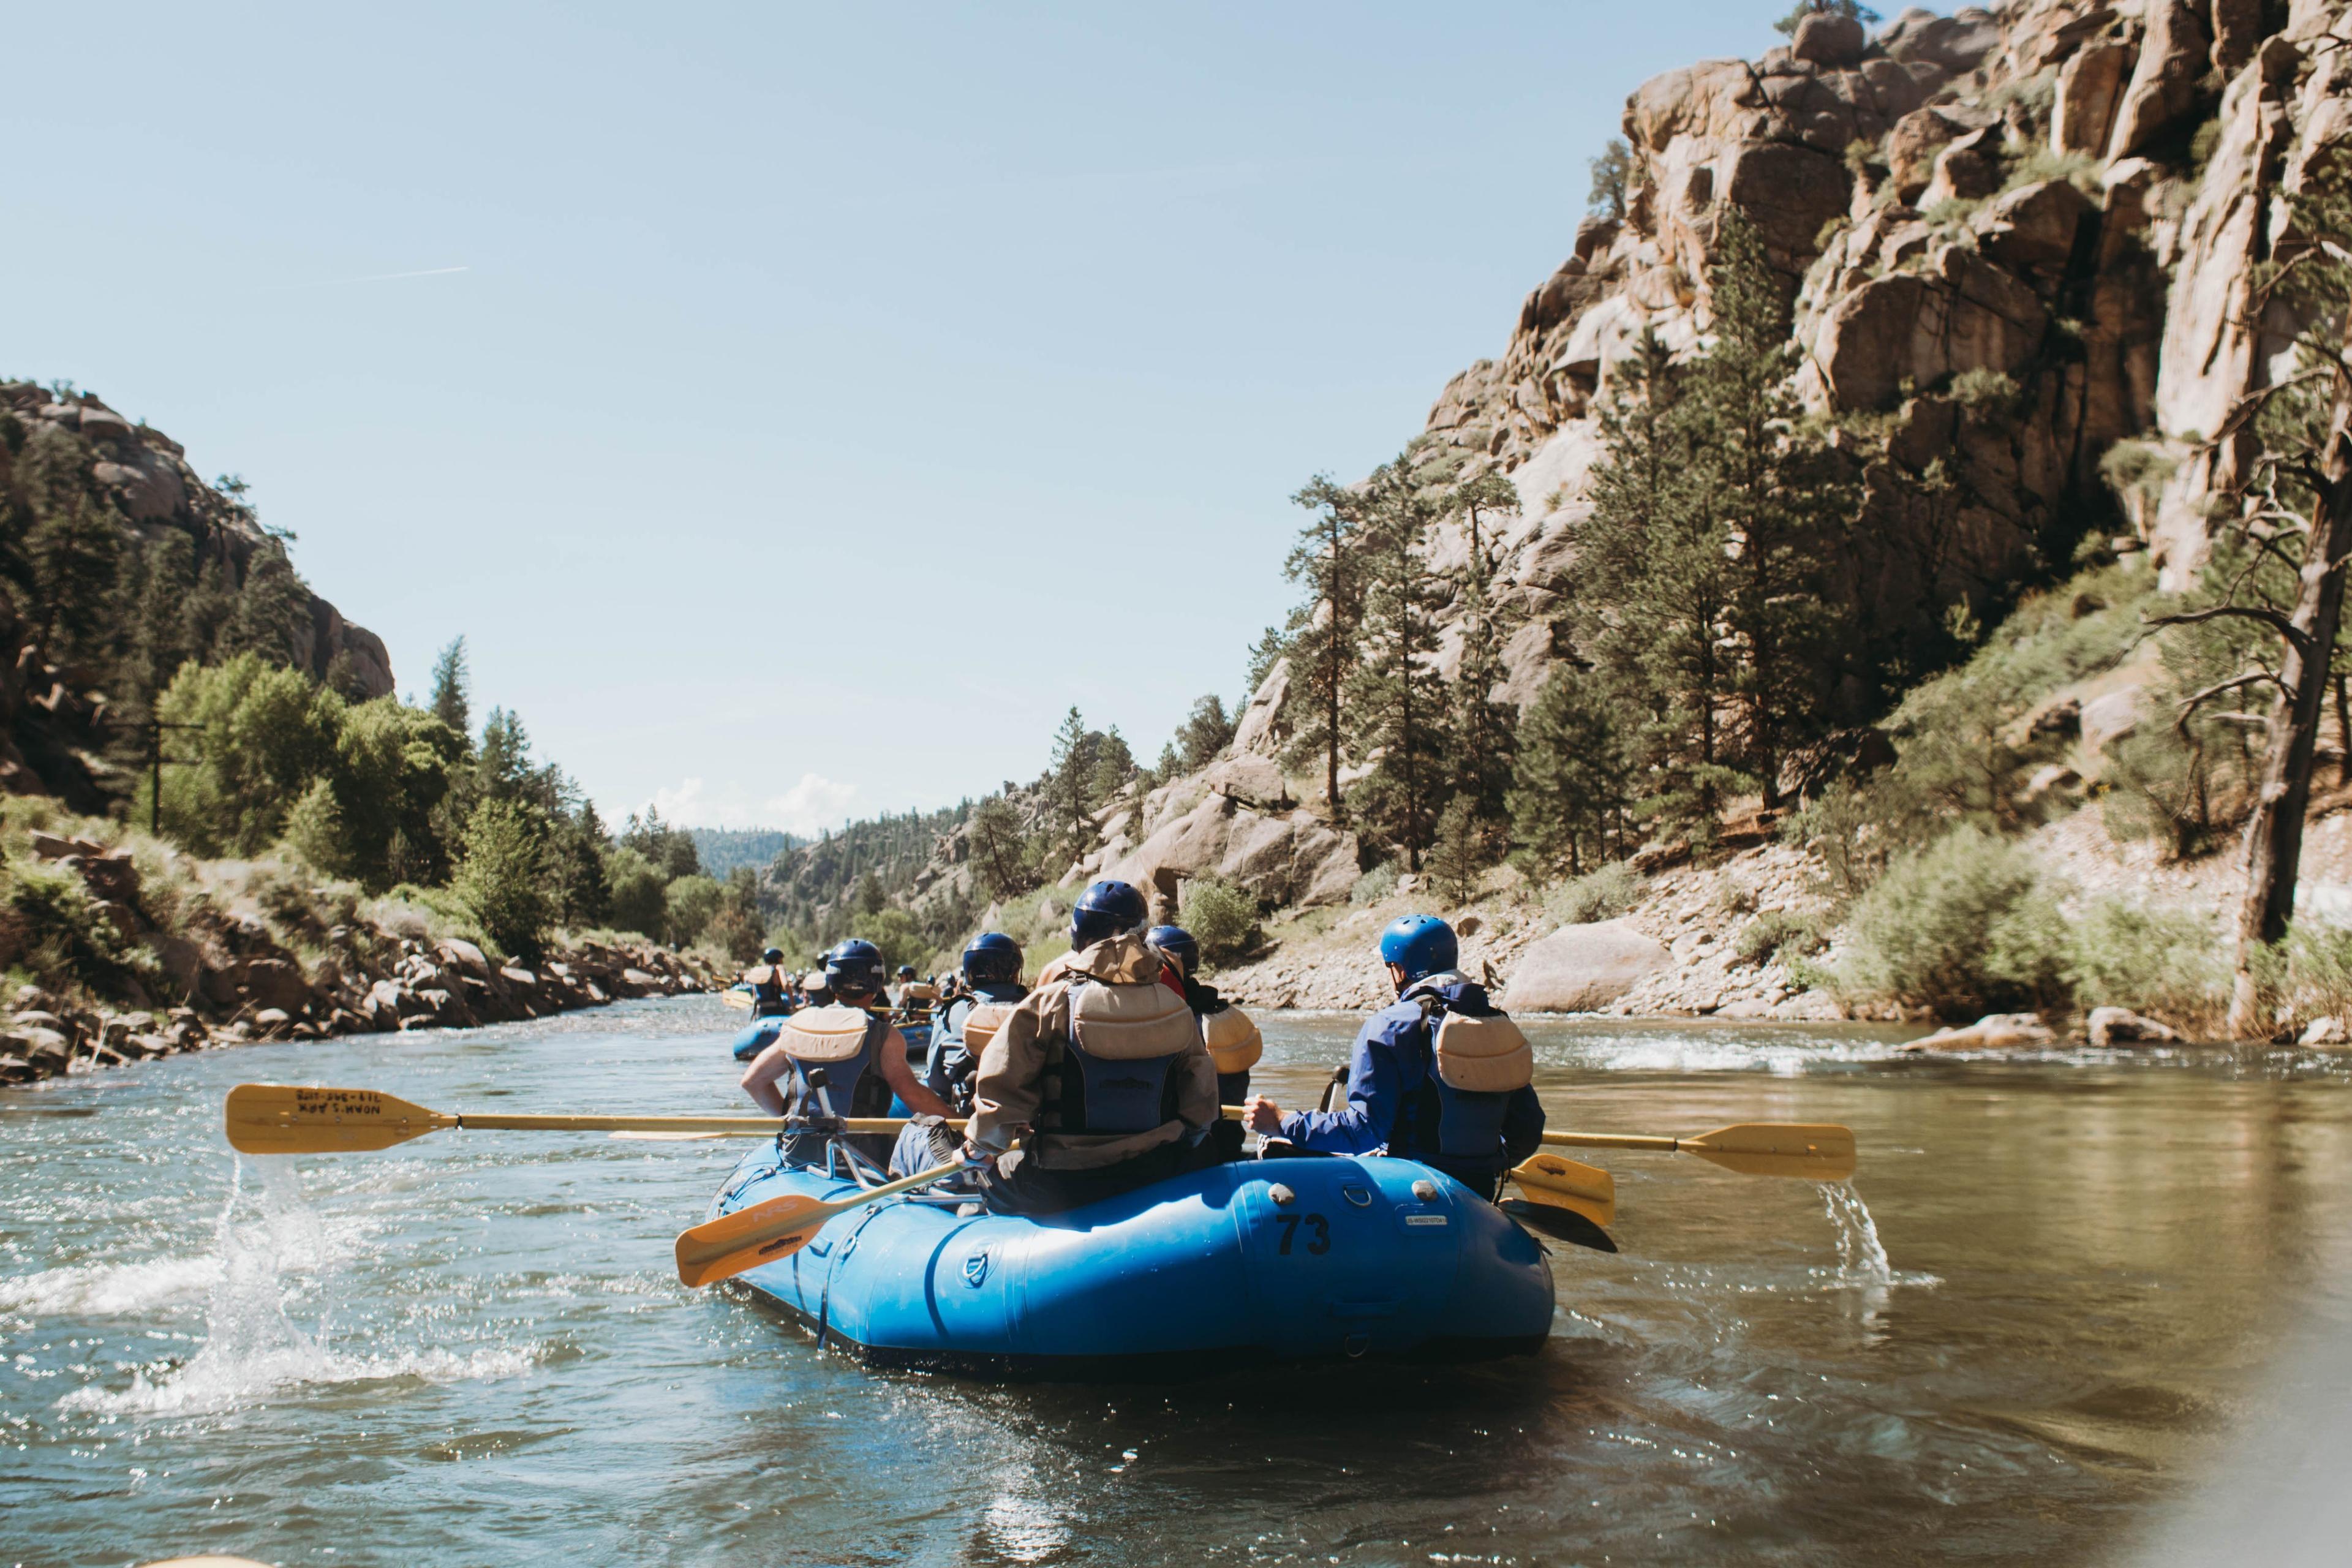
1116 1072
980 1024
1484 1056
819 1035
1234 1041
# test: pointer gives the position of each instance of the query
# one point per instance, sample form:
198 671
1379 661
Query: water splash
1862 1257
1863 1263
268 1263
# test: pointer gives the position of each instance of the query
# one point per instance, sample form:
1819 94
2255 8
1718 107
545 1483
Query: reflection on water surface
2050 1288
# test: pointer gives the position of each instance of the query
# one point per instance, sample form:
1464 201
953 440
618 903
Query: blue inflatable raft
1236 1265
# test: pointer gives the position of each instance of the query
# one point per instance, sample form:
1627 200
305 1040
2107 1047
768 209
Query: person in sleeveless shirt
854 980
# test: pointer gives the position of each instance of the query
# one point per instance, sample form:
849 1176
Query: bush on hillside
1775 931
2160 962
1374 885
1221 917
688 905
59 934
500 878
1601 895
1963 927
636 898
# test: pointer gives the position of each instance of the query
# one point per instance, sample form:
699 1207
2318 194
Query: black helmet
993 958
774 956
905 971
854 968
1106 908
1177 943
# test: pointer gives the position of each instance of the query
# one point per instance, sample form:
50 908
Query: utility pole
156 762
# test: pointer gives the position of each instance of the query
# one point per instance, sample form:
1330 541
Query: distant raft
1300 1259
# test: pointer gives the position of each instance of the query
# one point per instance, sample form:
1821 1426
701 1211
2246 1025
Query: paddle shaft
1613 1141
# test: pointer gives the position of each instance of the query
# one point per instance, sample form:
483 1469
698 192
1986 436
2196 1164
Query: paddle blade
1559 1223
1560 1183
285 1118
1811 1151
738 1000
723 1247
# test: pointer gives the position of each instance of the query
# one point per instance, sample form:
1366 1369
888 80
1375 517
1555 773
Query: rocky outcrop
224 981
54 719
2007 201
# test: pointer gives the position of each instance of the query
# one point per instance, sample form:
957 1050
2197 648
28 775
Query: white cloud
816 802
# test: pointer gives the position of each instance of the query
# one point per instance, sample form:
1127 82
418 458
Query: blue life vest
1124 1042
950 1067
1477 1060
815 1039
769 999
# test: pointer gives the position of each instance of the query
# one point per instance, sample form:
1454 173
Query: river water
2028 1324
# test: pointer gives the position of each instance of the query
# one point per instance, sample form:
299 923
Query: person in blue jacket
1397 1103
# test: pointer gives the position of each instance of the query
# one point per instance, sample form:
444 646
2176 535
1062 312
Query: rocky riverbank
219 953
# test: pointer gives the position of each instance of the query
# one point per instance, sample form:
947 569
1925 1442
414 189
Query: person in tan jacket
1097 1083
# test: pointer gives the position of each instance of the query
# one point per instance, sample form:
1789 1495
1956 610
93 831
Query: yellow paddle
285 1118
1809 1150
738 1000
723 1247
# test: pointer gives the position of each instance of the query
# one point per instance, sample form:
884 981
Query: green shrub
1775 932
1598 896
636 887
1985 391
64 937
1964 926
1374 885
2166 963
501 879
688 905
1222 918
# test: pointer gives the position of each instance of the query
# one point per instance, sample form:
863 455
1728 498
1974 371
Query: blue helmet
774 956
1106 908
1419 945
993 958
854 968
1177 943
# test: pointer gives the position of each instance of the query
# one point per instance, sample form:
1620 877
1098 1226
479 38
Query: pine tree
272 616
1773 497
1325 629
1112 769
75 554
452 688
1458 851
1653 583
998 863
1569 780
1481 728
1395 704
1071 779
1206 731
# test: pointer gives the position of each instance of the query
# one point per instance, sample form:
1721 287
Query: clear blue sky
830 396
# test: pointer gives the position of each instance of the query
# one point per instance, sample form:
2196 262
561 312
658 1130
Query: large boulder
1827 38
1293 858
1582 968
1256 734
2172 59
2090 85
